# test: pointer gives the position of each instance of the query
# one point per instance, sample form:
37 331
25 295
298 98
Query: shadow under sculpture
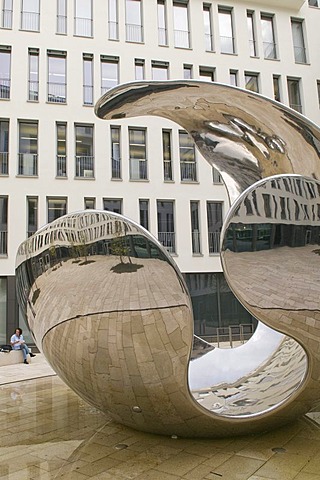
110 310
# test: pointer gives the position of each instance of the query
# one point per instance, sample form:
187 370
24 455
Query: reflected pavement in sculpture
110 310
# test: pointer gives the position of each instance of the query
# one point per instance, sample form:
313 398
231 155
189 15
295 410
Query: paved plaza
48 432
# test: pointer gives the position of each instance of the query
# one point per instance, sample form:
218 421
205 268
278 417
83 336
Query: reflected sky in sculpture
110 310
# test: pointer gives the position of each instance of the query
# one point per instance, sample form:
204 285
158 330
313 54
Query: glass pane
3 309
28 138
133 12
31 6
83 9
84 141
5 58
109 75
159 73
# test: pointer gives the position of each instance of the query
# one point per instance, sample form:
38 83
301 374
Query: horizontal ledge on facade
26 176
144 180
197 255
61 177
84 178
292 4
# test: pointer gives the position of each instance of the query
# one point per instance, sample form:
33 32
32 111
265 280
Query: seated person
18 343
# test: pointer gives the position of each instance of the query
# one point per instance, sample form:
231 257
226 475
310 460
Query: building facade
57 58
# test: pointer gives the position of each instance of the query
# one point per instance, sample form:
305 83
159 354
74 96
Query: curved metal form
110 310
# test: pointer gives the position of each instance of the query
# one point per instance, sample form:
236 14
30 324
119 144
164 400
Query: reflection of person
18 343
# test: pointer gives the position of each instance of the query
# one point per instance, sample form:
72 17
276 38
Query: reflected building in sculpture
57 157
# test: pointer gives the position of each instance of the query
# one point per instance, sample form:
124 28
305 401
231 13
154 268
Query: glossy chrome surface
109 308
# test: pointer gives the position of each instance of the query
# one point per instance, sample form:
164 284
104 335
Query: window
226 30
89 203
32 215
138 154
206 74
30 15
57 86
251 81
5 69
84 161
314 3
214 219
276 87
188 165
28 149
233 77
3 225
166 229
87 79
134 31
113 23
139 69
298 41
207 28
181 25
187 72
195 227
159 70
62 16
294 94
144 213
162 23
251 34
33 81
112 205
83 18
109 72
61 129
268 38
4 147
318 90
57 206
115 153
167 155
6 18
216 177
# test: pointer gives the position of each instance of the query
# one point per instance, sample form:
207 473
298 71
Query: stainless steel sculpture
110 310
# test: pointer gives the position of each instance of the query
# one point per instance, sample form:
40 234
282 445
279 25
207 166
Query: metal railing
162 36
133 33
61 166
33 91
116 167
181 38
4 163
296 106
188 171
196 242
252 48
270 50
84 166
6 19
214 242
226 44
138 169
28 164
83 27
232 336
113 30
5 87
3 242
167 170
300 54
57 92
168 240
88 94
30 21
62 24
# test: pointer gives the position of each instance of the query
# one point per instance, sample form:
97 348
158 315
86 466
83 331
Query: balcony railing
162 36
168 240
196 242
87 94
208 42
188 171
300 54
57 92
181 38
296 106
214 242
83 27
227 44
28 164
6 19
167 170
252 48
33 94
113 31
3 242
116 167
133 33
138 169
61 24
61 166
84 166
270 50
5 87
30 21
4 163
